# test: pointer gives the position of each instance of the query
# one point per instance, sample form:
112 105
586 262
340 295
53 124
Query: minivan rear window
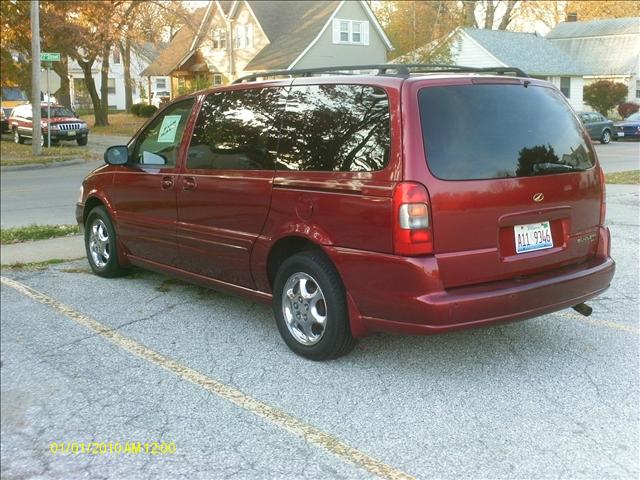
499 131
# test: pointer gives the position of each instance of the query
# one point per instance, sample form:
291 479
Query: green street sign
49 57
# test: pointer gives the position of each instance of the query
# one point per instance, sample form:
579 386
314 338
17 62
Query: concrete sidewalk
62 248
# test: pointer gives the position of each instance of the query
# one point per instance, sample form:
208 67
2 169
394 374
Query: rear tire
310 307
101 244
606 137
17 138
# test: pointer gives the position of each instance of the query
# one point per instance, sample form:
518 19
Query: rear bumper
397 294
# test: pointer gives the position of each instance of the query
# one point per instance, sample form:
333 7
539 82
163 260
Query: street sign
49 57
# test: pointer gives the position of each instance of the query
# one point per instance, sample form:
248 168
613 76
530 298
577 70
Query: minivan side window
159 143
342 128
237 130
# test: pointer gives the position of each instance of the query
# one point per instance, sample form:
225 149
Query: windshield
57 112
12 94
634 117
500 131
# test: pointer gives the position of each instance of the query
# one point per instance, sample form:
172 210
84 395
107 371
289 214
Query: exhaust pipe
583 309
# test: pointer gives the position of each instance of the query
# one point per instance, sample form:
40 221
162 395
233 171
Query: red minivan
413 200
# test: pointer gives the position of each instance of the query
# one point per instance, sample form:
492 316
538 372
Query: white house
141 57
527 51
608 49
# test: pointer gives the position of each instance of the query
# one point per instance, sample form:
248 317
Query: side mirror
116 155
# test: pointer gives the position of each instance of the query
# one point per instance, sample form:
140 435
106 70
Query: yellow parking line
277 417
601 323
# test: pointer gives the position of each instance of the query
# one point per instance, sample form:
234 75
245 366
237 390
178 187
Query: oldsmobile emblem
538 197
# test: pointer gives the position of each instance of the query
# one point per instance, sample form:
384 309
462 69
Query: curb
36 166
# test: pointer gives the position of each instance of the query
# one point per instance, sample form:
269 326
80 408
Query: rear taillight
412 230
603 198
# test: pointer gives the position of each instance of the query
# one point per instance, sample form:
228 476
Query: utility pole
36 138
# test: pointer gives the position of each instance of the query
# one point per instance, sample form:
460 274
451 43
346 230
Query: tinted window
159 143
498 131
57 112
237 130
336 128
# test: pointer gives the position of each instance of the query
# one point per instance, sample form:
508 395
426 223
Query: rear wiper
555 167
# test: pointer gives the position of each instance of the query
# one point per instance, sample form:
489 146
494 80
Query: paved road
552 397
619 156
49 195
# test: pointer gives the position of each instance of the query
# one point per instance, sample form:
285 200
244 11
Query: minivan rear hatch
514 184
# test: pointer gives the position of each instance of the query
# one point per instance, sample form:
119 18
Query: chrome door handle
167 183
188 183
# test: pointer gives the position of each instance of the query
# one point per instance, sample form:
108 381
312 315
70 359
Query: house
528 51
608 49
229 39
141 56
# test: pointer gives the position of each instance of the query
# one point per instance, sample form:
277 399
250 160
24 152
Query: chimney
572 17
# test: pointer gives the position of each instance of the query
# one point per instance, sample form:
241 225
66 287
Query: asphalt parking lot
147 359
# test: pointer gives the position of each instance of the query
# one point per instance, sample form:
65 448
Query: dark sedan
629 127
599 127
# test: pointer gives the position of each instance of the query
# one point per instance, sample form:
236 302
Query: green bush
147 110
135 108
603 95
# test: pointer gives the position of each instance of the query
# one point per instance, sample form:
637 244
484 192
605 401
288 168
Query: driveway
148 359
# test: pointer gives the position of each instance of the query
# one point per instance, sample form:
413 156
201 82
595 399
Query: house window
565 86
351 32
116 56
219 39
217 79
111 86
161 83
244 36
344 31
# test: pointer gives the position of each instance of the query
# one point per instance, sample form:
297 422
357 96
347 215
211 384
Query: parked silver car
599 127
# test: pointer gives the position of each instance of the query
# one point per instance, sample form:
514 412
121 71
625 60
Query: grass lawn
631 177
15 154
36 232
120 123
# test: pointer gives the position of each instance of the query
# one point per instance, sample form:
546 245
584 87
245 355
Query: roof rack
401 70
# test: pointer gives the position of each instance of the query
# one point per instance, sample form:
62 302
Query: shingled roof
604 47
527 51
290 26
596 28
179 47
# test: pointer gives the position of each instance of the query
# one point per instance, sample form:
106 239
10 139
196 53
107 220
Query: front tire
82 141
310 307
101 244
606 137
17 138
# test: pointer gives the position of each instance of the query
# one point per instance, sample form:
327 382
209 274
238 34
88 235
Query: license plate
620 134
71 133
532 237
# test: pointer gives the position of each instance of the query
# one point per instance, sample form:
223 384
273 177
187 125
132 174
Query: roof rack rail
441 67
401 70
307 72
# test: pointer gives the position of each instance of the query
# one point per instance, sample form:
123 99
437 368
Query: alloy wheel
304 308
99 244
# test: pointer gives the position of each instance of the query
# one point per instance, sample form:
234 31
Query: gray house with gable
226 40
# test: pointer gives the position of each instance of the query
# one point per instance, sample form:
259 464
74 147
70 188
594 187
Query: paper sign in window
169 128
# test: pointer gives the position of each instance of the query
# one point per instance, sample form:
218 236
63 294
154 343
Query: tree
603 95
595 10
412 25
